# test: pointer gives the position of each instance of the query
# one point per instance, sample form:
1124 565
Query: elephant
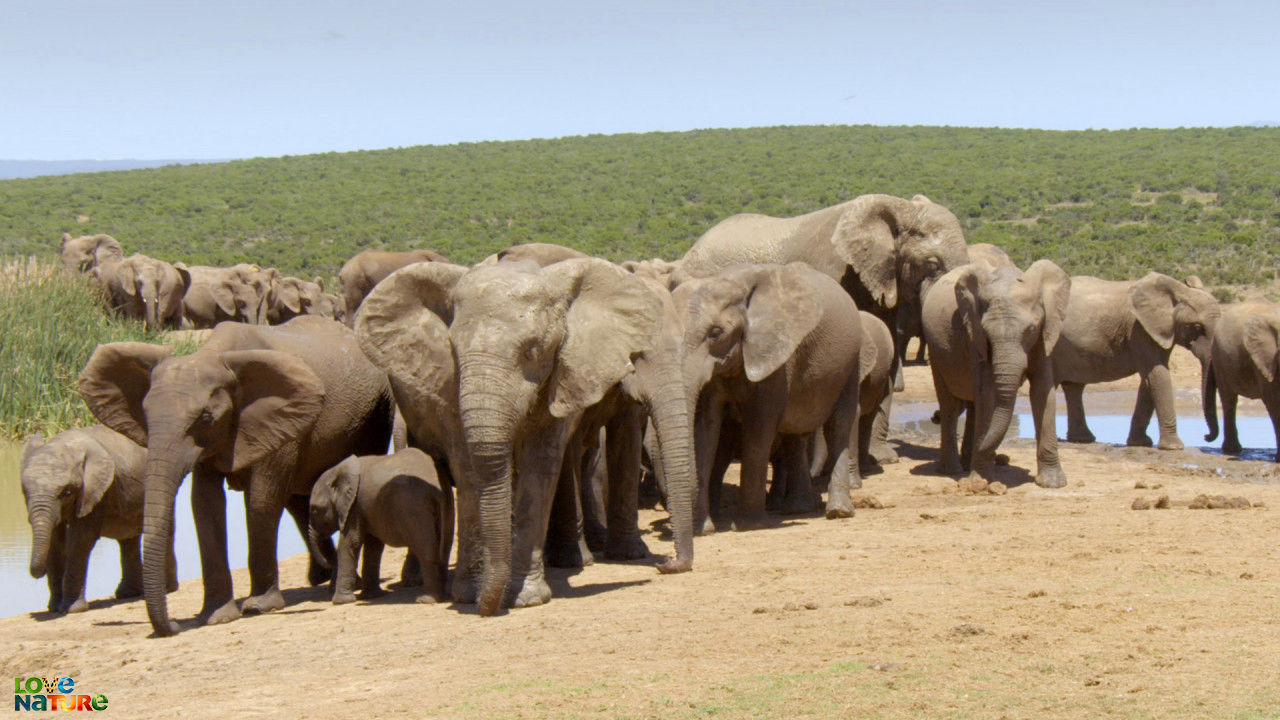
779 348
495 366
84 253
290 297
1116 328
379 500
1243 361
540 254
988 329
882 249
80 485
237 293
331 305
268 409
369 267
144 288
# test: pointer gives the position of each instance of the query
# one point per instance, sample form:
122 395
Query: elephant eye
66 492
714 332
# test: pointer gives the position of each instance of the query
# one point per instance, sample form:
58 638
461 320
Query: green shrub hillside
1111 203
50 324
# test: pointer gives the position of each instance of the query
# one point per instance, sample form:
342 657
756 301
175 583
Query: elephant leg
765 410
55 566
300 510
949 407
1143 407
624 446
1044 411
1077 424
348 553
264 502
371 569
592 486
130 568
565 546
846 476
726 452
209 507
81 537
1159 385
537 471
1230 433
1271 399
708 422
793 462
779 482
879 448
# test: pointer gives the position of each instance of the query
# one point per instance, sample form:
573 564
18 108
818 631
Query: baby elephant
80 485
377 500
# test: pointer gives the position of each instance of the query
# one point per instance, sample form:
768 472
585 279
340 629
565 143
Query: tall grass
50 323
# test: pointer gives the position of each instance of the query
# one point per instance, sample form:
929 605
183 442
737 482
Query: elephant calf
80 485
1244 360
378 500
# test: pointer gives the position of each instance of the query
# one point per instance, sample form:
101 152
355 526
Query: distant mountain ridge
10 169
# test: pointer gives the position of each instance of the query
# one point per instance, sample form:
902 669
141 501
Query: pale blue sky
230 78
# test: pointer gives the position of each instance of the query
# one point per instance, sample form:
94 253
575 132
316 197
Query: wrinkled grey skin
379 500
988 329
882 249
265 408
84 253
1117 328
1244 360
290 297
524 350
779 347
145 289
237 293
366 269
80 485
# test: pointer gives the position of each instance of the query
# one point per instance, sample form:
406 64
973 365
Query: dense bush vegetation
1111 203
50 324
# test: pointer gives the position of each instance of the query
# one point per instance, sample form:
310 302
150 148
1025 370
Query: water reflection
22 593
1256 434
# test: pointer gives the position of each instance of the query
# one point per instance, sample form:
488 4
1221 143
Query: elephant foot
1139 441
1172 442
463 589
371 594
79 606
839 507
671 566
266 602
533 591
318 575
410 573
225 614
55 605
1080 436
1051 477
128 592
708 527
952 467
170 586
429 598
343 598
899 384
567 554
627 547
1231 448
751 521
1002 460
596 536
799 504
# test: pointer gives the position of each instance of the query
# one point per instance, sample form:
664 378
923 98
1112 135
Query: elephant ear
612 316
114 383
277 399
108 249
1153 305
287 294
969 281
126 278
1260 339
344 483
1055 293
403 327
98 472
1195 283
184 274
224 296
865 237
781 312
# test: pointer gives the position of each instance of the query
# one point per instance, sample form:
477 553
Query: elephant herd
773 341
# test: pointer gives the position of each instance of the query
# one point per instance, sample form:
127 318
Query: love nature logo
59 693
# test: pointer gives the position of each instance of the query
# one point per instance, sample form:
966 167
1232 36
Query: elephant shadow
107 602
558 579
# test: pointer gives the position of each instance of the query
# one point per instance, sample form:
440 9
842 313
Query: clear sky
82 79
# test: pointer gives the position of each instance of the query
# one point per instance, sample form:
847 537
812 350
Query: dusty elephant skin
366 269
1115 329
988 329
145 288
376 501
84 253
1244 360
268 409
80 485
290 297
238 293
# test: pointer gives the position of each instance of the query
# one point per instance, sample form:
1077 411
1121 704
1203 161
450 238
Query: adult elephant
882 249
144 288
988 329
84 253
498 364
290 297
237 293
1114 329
369 267
540 254
1244 360
268 409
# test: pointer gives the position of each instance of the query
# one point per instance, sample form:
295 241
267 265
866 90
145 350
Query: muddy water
20 593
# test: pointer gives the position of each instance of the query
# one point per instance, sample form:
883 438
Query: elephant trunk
44 521
323 555
165 470
672 421
488 421
1009 366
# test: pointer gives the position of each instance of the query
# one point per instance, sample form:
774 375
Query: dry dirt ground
1033 604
